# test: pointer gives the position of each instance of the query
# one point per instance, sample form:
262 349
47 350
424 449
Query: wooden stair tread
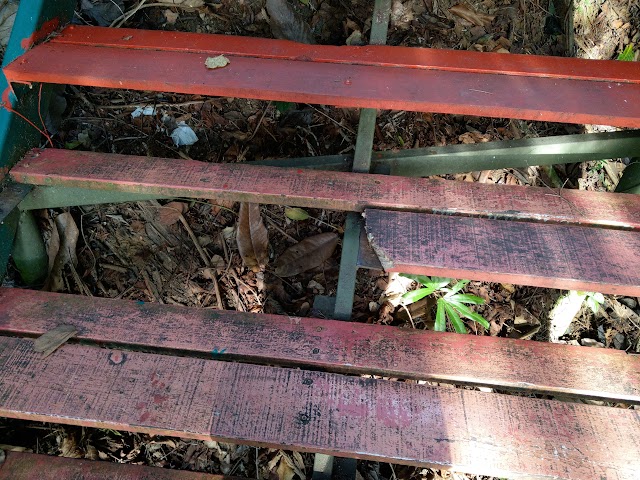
469 431
330 345
322 189
525 253
29 466
467 83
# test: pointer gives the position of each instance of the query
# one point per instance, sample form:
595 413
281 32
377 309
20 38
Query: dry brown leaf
62 249
287 24
309 253
465 12
217 265
171 16
69 447
48 342
284 471
170 213
185 3
252 237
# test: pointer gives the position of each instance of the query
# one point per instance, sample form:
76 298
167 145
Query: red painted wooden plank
552 256
373 55
340 84
319 189
28 466
331 345
469 431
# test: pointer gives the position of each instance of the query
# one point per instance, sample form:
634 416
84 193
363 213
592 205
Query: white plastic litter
139 111
183 135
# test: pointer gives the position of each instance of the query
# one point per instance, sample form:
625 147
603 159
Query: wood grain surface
378 55
329 345
523 253
29 466
469 431
320 189
579 93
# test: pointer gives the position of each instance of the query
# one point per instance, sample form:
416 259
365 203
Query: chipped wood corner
385 261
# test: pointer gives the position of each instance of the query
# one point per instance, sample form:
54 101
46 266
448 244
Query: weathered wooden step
460 82
320 189
552 256
469 431
29 466
329 345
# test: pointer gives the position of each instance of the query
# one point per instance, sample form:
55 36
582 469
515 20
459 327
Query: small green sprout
593 300
451 305
627 54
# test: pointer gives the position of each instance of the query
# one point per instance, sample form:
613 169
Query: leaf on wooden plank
286 24
170 213
252 237
49 342
309 253
295 213
465 12
216 62
62 248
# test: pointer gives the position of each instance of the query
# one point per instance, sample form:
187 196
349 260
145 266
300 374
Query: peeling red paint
6 101
47 29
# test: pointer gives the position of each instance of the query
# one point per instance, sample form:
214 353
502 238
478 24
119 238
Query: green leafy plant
627 54
451 305
593 300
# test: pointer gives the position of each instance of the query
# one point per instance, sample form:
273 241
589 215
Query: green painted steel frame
34 20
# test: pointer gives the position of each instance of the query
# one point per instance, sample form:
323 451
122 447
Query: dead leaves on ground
171 212
253 244
287 24
252 237
287 467
307 254
467 13
62 250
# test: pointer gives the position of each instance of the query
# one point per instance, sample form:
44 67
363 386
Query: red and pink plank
458 82
351 348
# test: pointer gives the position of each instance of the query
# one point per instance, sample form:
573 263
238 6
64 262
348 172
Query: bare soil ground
142 251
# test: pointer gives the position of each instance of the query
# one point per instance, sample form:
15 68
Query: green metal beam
361 164
16 135
344 468
10 196
58 197
520 153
